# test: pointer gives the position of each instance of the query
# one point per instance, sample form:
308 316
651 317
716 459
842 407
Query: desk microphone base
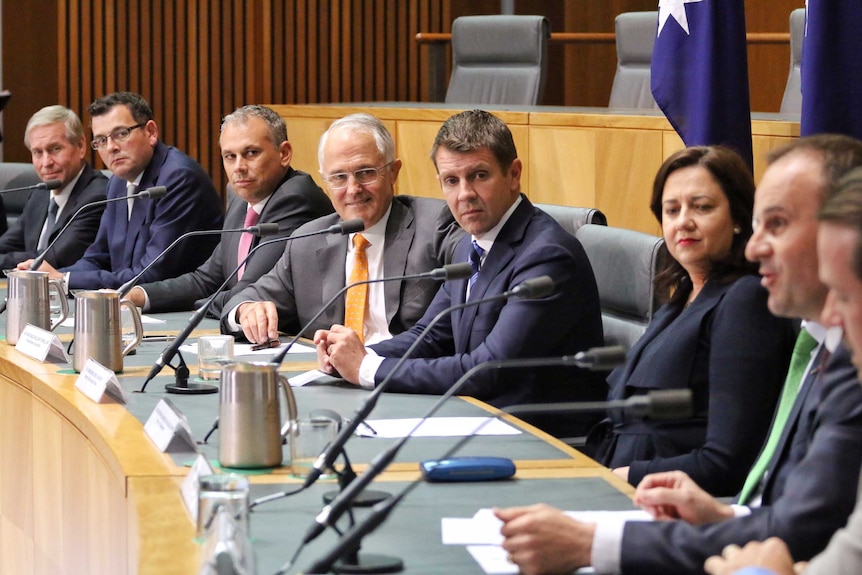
370 563
191 388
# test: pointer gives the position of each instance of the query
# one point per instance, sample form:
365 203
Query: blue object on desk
467 469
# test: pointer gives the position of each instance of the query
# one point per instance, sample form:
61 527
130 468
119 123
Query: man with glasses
402 235
133 233
55 137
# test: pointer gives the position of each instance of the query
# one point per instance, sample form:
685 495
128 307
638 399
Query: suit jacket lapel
399 237
330 268
234 218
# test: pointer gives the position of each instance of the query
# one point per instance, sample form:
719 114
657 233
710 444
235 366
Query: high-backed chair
16 175
625 263
792 100
572 218
498 60
635 36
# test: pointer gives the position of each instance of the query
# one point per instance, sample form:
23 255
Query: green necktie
805 344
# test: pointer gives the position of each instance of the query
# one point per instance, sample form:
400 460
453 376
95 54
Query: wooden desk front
590 157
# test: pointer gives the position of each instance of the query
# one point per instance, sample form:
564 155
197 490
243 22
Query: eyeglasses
363 177
118 135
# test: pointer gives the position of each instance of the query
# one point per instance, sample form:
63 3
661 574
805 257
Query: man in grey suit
839 241
55 137
407 235
256 157
810 483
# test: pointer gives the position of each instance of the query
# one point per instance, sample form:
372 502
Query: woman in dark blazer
715 336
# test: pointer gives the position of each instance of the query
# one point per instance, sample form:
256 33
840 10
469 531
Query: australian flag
832 68
700 72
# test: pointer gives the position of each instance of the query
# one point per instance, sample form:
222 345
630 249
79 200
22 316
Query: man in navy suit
480 173
55 137
256 157
132 233
809 487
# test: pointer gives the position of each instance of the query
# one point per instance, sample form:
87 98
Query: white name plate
191 485
99 383
169 429
38 343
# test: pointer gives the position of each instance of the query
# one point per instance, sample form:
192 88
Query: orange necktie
357 297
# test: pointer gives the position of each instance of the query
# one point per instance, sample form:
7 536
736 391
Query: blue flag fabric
700 72
832 68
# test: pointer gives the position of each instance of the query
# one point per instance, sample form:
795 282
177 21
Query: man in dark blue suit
266 189
55 137
479 172
809 485
131 234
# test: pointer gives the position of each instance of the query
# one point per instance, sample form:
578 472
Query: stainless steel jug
249 415
98 331
28 301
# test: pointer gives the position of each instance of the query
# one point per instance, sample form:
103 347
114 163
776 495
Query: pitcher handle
292 415
57 284
139 327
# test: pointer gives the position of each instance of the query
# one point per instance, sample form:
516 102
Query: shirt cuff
368 368
740 510
607 546
146 306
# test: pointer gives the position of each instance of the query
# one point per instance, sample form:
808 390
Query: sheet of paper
438 427
245 349
145 319
307 377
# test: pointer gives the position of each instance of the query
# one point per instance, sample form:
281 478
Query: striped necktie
53 208
476 255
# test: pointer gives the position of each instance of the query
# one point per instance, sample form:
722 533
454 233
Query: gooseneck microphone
666 404
46 185
152 193
534 288
258 230
342 228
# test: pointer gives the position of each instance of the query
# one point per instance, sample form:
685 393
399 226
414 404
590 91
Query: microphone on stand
534 288
343 228
660 404
258 230
46 185
152 193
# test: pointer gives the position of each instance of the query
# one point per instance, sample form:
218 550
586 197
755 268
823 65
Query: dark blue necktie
475 263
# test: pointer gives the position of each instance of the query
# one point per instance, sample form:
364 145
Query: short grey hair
274 122
56 115
363 124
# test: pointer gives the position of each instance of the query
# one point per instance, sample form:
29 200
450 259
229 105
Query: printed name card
191 484
169 429
99 383
39 344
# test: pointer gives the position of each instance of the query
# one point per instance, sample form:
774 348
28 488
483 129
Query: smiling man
403 235
256 157
133 233
55 137
510 242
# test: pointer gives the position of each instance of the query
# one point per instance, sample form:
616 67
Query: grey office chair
16 175
498 60
571 218
791 103
635 36
625 263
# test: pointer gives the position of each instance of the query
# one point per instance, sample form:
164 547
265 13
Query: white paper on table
307 377
245 349
145 319
437 427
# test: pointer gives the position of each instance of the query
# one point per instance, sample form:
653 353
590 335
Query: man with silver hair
265 189
402 235
55 137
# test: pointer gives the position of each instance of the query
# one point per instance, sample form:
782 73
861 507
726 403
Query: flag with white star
832 68
700 72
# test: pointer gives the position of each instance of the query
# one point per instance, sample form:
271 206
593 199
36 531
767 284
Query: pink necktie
251 218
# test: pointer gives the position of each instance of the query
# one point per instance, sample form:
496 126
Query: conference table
84 490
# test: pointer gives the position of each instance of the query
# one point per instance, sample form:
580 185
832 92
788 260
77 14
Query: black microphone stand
174 347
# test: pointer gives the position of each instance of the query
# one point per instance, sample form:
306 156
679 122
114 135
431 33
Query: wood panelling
197 60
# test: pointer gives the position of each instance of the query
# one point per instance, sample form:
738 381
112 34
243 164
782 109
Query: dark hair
844 207
475 129
140 108
734 178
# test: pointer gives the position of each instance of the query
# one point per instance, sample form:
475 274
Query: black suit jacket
421 235
19 243
809 491
530 244
297 200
